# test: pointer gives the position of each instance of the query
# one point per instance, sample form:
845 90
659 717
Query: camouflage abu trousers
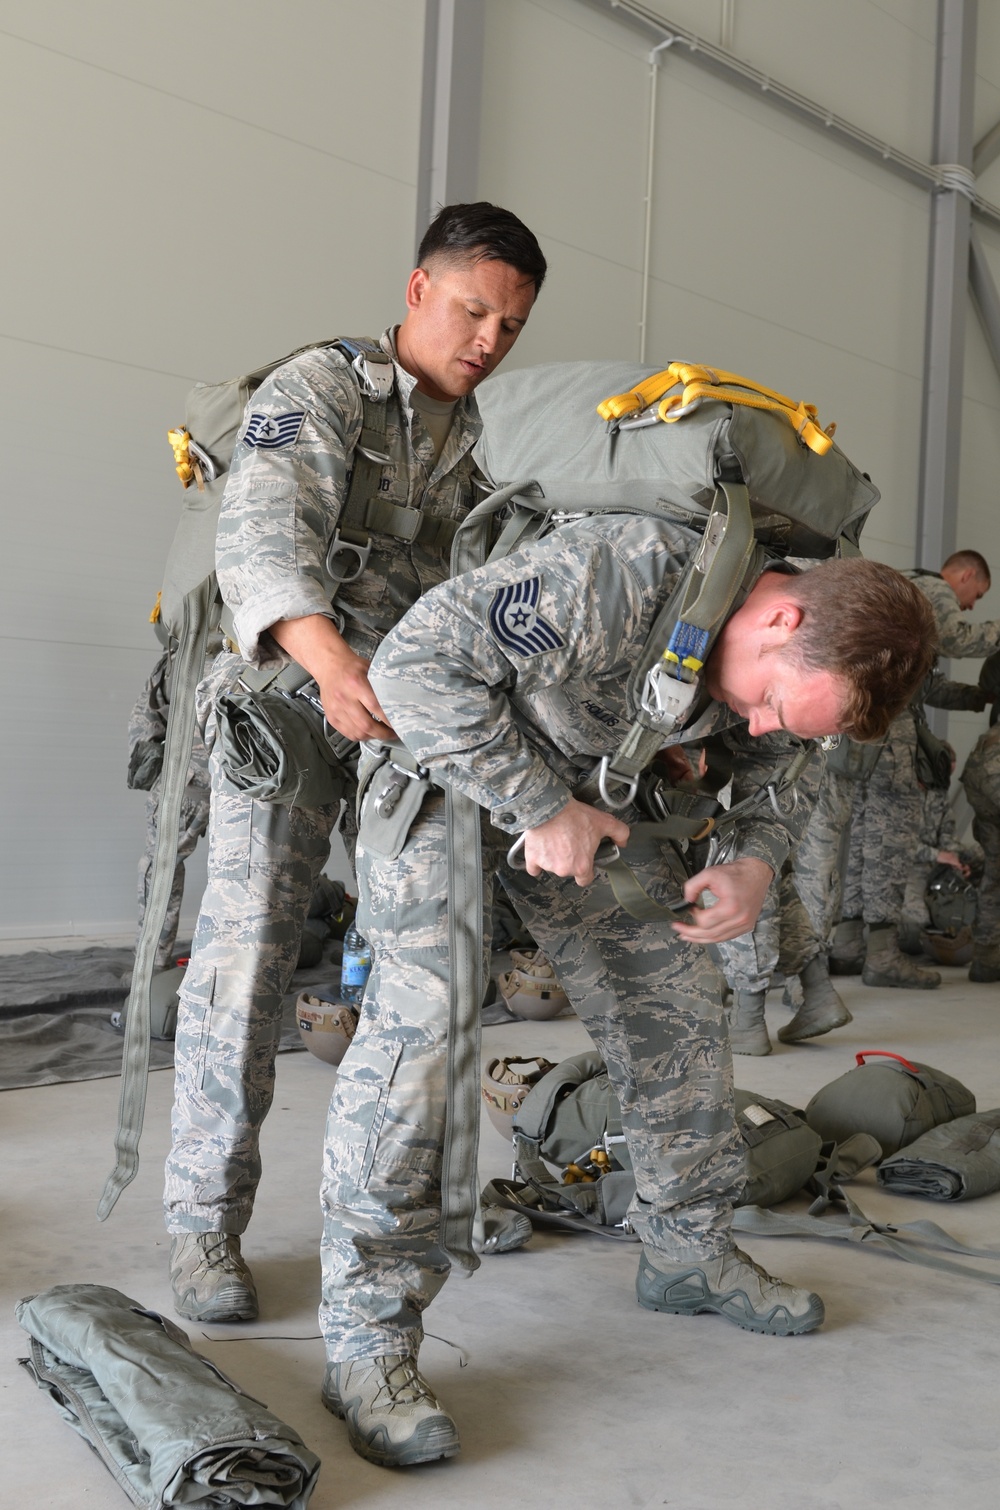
653 1006
783 940
819 859
193 824
263 863
935 813
887 820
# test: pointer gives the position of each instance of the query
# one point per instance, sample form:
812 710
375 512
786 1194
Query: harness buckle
338 547
666 700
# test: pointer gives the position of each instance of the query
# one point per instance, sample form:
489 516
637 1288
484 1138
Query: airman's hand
566 844
739 889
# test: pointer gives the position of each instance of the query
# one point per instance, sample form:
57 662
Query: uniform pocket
358 1108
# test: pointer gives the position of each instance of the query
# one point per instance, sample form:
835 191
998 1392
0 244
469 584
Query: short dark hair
483 232
869 624
960 560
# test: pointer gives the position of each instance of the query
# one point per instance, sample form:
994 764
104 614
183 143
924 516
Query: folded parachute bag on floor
953 1162
895 1101
168 1425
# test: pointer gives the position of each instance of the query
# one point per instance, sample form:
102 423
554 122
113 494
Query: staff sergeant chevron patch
269 431
517 624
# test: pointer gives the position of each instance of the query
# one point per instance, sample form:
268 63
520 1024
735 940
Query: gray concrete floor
572 1396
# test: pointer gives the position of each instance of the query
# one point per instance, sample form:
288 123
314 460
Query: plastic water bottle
356 966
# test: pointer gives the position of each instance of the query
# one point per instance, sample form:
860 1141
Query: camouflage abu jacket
287 486
510 682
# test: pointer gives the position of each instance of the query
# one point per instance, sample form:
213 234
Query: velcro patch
269 431
517 624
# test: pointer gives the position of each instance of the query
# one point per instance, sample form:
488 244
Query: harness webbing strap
906 1241
726 564
459 1168
189 668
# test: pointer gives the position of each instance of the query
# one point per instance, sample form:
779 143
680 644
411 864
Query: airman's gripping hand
566 844
348 697
739 889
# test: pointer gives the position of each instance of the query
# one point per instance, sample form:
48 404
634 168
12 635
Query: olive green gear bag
570 1119
894 1100
573 1108
167 1424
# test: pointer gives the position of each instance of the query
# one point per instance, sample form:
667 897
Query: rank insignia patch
269 431
516 622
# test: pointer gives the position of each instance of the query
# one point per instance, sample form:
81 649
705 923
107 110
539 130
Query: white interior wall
775 250
204 186
191 189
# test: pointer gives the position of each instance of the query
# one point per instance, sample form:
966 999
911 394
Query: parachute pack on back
556 426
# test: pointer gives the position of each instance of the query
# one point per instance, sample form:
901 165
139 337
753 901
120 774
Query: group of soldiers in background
851 898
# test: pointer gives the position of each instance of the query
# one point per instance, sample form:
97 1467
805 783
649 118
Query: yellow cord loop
154 617
697 383
188 467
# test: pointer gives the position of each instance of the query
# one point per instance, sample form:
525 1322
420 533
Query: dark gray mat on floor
70 977
73 1039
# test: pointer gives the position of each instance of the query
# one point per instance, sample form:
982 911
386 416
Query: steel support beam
448 167
987 150
948 281
984 292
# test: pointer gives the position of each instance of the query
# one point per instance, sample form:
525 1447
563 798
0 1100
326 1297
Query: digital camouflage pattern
784 939
981 780
855 858
524 664
819 859
937 832
956 635
278 516
282 503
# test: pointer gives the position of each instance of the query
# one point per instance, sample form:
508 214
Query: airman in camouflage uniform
278 526
783 940
938 846
981 780
525 664
893 803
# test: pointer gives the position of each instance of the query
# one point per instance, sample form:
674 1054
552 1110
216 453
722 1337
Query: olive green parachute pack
189 610
570 1121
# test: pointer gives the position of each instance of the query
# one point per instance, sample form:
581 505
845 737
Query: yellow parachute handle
697 382
187 468
154 617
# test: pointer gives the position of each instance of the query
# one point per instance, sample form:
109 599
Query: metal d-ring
615 803
779 811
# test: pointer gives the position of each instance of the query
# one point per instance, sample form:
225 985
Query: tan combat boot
747 1028
821 1009
985 964
885 965
393 1416
847 952
210 1279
